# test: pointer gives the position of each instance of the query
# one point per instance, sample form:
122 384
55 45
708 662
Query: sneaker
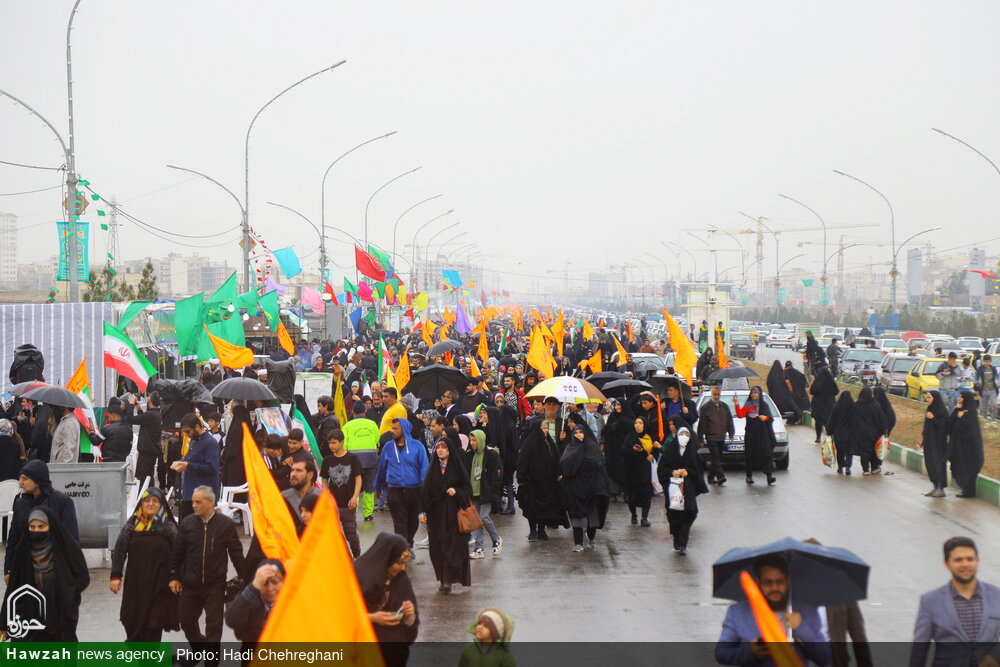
532 536
577 548
865 473
645 523
369 518
721 482
876 471
682 551
423 544
593 545
938 493
478 554
498 547
635 520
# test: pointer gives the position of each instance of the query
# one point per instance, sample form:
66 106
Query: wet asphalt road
634 588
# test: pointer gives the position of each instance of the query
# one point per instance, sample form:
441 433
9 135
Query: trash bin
99 492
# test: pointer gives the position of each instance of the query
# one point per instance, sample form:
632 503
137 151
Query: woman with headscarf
965 440
486 477
463 425
777 389
584 485
840 429
867 426
882 398
41 433
233 470
638 452
51 561
537 475
10 451
148 607
446 489
616 431
758 436
500 425
388 595
935 443
824 395
679 461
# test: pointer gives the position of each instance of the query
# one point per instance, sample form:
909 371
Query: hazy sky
579 131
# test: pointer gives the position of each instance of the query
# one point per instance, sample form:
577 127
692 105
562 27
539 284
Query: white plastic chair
229 508
9 488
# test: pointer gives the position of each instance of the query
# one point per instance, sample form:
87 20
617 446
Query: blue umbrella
819 575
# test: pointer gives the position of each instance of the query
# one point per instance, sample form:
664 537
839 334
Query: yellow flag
720 349
420 301
559 333
230 356
272 523
474 368
324 571
390 380
443 334
622 354
283 339
588 331
427 331
339 406
684 354
539 354
484 348
631 334
80 379
595 363
403 371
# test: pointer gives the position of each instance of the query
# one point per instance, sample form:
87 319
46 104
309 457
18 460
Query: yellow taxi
753 333
922 377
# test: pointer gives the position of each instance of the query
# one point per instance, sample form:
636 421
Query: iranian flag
503 341
384 359
121 355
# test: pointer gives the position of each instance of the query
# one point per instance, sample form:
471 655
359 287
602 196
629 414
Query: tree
147 289
104 287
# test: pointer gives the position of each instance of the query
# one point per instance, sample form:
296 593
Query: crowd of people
446 462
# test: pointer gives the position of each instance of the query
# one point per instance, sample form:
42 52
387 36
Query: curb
987 488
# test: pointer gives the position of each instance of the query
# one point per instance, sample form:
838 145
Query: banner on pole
82 243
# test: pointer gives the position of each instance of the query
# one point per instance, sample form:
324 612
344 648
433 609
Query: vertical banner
824 296
780 297
83 243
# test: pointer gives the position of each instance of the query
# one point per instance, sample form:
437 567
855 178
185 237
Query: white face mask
683 438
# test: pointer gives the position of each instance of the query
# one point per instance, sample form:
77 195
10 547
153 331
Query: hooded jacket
498 654
402 467
60 504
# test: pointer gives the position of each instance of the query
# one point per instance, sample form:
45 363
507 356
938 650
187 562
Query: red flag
328 289
367 266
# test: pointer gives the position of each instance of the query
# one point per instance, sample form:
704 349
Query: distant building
598 285
8 249
914 274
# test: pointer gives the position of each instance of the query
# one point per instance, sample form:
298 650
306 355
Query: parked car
649 364
734 450
922 377
780 338
945 346
861 365
889 345
895 368
971 344
742 345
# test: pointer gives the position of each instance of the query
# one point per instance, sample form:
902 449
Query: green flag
248 301
299 421
222 317
380 290
383 258
227 291
188 318
269 304
131 311
370 319
350 287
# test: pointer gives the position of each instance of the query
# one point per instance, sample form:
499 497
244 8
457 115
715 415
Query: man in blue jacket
401 470
740 642
201 465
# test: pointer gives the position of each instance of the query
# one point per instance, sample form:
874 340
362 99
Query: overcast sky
558 131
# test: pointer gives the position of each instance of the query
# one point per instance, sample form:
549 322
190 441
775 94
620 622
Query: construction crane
762 228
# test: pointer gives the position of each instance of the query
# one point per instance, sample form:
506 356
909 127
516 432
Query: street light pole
396 226
73 207
777 286
322 238
413 262
715 257
246 172
322 191
384 186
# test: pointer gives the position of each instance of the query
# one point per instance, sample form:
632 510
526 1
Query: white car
780 338
733 452
971 344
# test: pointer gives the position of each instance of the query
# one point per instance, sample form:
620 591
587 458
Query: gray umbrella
243 389
442 346
733 372
55 396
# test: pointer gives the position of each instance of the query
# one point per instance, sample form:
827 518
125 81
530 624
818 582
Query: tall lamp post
322 237
383 187
322 195
396 226
246 171
413 262
777 286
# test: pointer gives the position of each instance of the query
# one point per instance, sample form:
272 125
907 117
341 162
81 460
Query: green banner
82 244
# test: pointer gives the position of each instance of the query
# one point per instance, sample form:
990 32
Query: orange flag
230 356
443 334
283 339
402 376
622 353
324 571
539 353
720 349
427 330
559 332
474 368
449 358
631 333
272 523
588 331
484 348
595 364
782 652
684 354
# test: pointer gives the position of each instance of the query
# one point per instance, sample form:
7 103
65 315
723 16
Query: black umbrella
432 381
23 387
733 372
243 389
55 396
661 382
601 379
818 575
508 361
183 392
626 388
442 346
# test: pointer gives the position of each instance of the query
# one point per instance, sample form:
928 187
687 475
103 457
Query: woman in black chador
759 436
935 443
584 485
867 426
965 440
447 489
387 590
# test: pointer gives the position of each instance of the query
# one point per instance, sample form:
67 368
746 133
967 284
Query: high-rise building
914 274
977 284
8 249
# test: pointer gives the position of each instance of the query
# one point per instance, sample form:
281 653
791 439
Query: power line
31 166
29 192
164 231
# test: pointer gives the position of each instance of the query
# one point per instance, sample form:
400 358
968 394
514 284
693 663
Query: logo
26 600
124 352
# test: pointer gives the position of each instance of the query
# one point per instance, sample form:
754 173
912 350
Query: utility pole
72 181
113 244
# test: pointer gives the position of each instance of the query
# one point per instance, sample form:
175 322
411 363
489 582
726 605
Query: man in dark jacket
676 404
36 489
198 568
247 613
201 464
149 448
473 396
117 436
715 426
324 423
